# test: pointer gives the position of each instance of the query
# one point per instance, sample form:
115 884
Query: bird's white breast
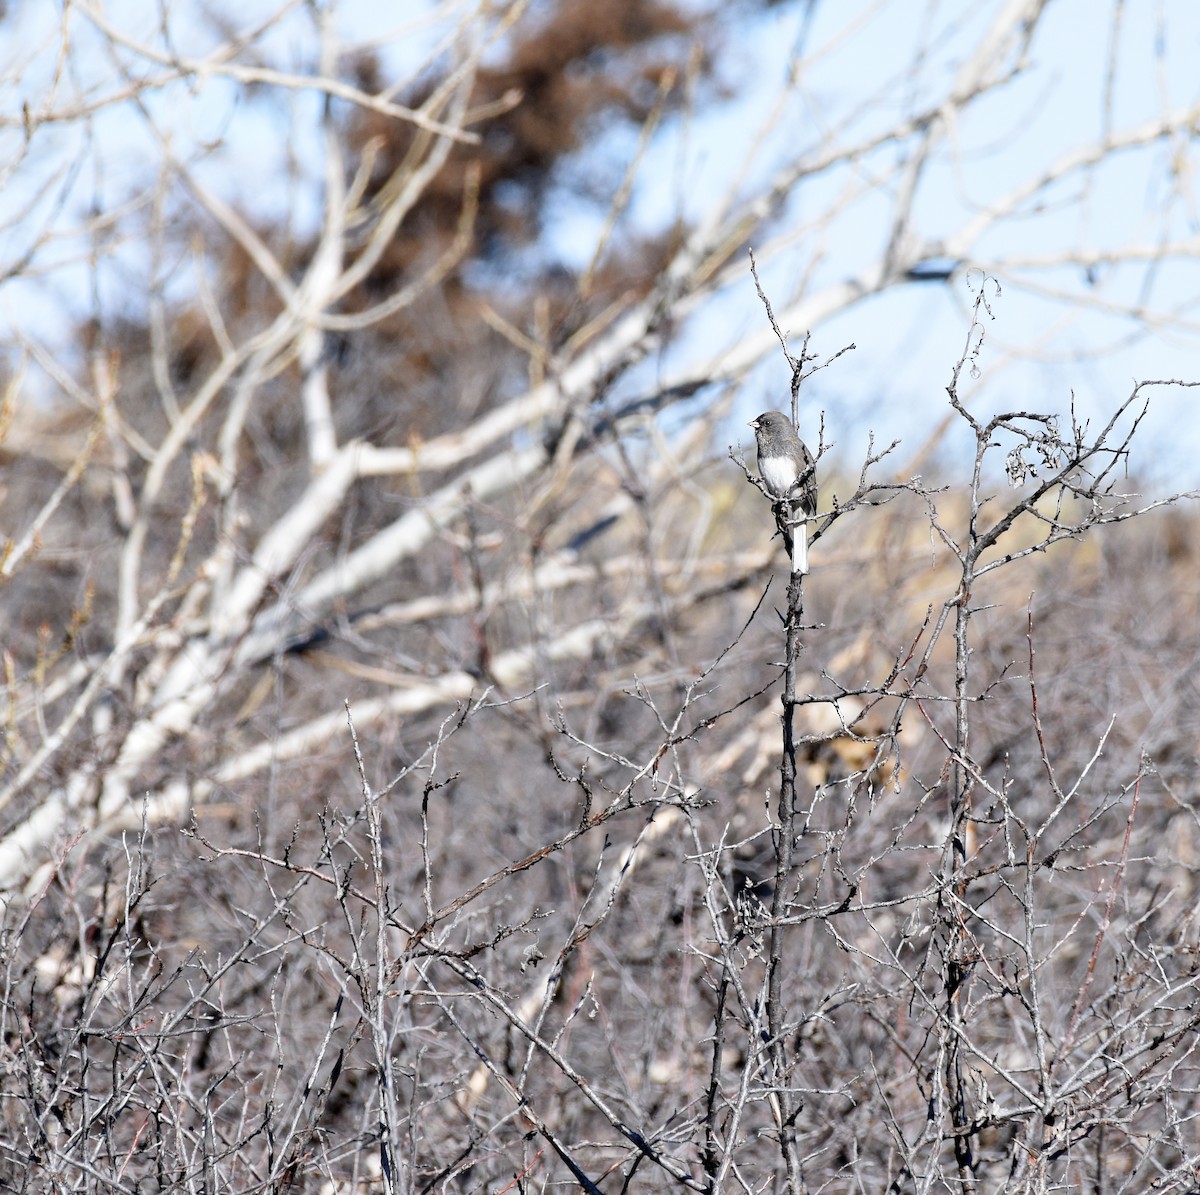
779 472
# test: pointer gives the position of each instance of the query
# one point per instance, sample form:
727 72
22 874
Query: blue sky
1040 347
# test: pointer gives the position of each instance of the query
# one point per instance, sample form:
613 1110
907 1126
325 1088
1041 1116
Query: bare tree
393 699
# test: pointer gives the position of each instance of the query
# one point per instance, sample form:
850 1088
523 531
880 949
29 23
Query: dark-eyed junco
788 469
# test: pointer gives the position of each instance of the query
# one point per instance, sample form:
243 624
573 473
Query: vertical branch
323 274
959 960
958 957
786 1105
710 1149
376 1001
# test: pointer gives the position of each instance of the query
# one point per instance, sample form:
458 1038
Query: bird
788 469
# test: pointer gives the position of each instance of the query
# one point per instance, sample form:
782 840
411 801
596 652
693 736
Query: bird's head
769 421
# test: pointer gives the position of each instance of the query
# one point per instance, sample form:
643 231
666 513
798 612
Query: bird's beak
753 423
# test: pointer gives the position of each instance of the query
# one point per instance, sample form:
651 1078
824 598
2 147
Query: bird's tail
800 548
